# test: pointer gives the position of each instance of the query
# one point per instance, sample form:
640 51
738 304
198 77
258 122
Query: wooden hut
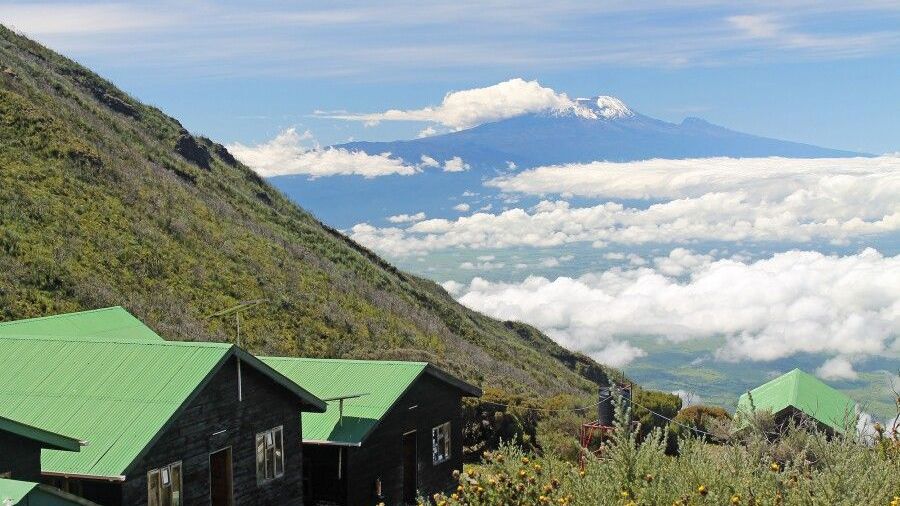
168 423
392 431
797 396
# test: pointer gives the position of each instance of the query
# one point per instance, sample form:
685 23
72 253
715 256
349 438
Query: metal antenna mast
236 311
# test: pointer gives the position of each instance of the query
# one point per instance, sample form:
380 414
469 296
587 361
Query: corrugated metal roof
114 393
14 490
382 382
113 322
805 392
26 492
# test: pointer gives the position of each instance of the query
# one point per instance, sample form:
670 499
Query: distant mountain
107 201
600 128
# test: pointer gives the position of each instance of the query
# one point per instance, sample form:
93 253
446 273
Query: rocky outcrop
192 151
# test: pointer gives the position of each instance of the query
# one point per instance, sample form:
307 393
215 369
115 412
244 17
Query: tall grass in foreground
801 466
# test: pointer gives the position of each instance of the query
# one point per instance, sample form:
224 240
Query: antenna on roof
236 310
341 400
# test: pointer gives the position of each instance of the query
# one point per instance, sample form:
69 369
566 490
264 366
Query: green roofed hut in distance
799 395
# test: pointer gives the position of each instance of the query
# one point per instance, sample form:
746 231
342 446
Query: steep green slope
107 201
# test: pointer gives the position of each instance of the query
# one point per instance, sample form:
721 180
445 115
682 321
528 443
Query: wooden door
410 468
221 486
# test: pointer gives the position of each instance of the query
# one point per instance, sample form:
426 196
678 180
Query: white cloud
511 165
549 262
285 155
459 207
428 161
791 303
61 19
769 179
455 164
837 368
718 199
407 218
426 132
453 287
773 31
482 266
468 108
688 398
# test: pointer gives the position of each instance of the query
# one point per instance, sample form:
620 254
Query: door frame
230 471
415 469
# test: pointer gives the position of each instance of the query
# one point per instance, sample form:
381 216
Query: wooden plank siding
428 403
20 457
197 432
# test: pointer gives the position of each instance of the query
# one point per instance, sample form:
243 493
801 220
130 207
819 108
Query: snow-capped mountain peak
601 107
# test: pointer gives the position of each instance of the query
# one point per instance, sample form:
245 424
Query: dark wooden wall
191 439
19 456
382 453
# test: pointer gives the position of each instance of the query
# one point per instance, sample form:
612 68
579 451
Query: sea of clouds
711 199
846 307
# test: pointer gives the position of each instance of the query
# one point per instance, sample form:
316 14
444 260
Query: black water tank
606 409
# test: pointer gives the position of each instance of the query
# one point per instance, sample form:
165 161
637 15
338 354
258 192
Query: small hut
799 396
392 430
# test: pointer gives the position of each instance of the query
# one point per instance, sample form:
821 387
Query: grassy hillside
105 201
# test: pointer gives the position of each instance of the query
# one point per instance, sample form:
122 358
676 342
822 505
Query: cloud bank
286 155
469 108
716 199
791 303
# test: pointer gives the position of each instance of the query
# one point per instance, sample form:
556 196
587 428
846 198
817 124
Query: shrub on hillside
749 471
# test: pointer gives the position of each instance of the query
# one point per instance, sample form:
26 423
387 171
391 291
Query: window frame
166 494
269 445
443 430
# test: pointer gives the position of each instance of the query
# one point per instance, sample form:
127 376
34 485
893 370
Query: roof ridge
114 340
349 360
60 315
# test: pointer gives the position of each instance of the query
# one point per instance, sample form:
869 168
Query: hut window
164 486
440 443
269 455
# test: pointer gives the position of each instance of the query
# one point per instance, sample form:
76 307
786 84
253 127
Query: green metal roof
14 490
806 393
46 438
107 322
27 493
115 393
381 383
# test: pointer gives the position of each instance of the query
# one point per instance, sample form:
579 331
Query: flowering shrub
750 469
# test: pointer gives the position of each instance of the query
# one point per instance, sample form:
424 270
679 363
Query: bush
752 470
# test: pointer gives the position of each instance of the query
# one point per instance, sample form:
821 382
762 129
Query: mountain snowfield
692 256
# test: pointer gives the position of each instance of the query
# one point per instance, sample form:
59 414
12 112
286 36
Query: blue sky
821 72
741 267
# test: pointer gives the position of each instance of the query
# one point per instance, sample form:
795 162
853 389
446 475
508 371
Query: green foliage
693 421
752 470
661 403
107 201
